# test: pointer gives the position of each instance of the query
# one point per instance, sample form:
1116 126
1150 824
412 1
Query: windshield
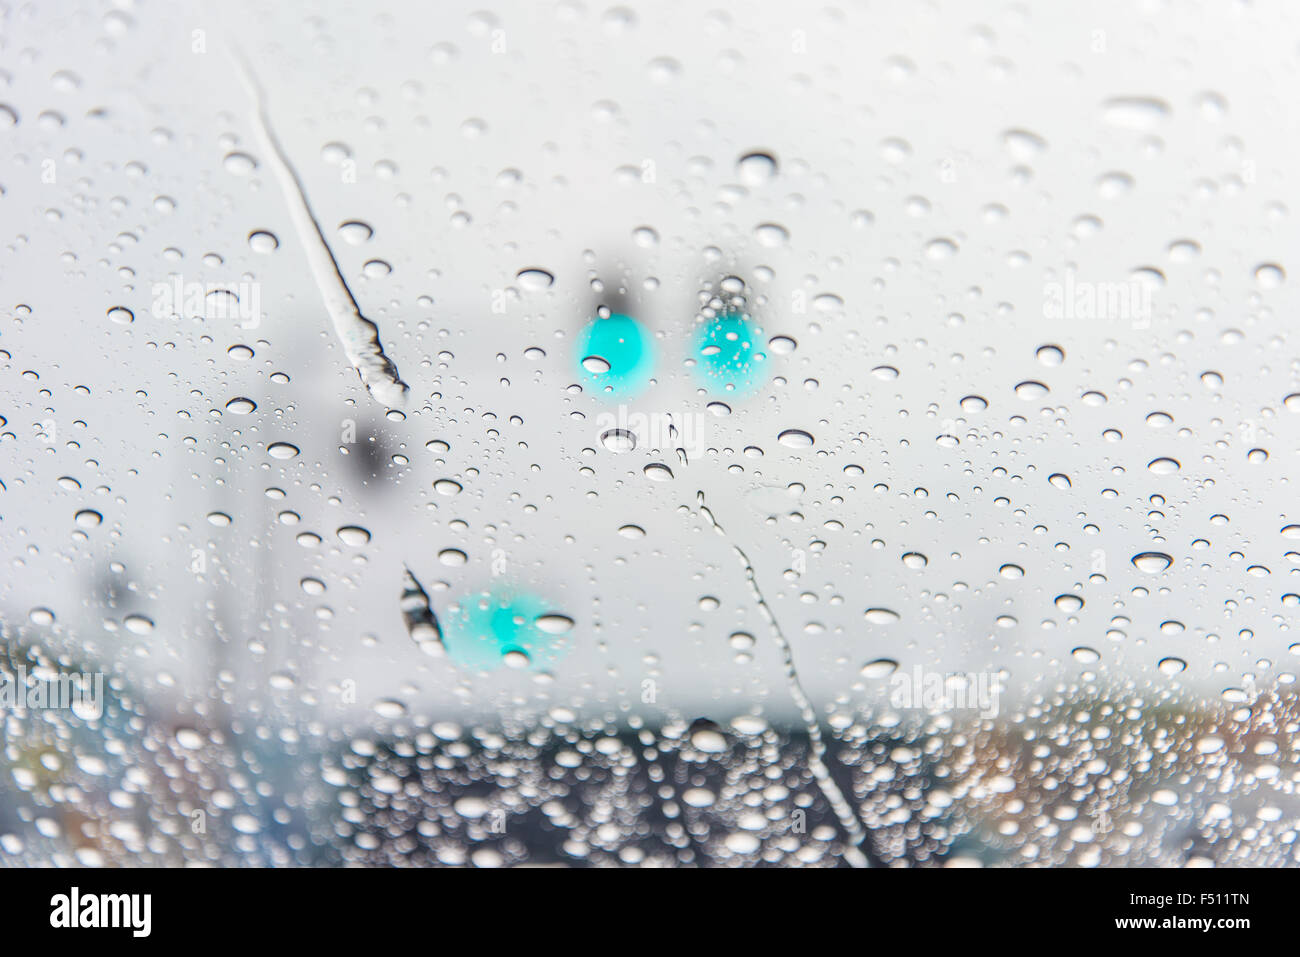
673 434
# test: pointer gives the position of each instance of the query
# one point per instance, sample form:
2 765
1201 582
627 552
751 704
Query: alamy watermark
1082 299
937 691
666 431
240 301
74 910
82 693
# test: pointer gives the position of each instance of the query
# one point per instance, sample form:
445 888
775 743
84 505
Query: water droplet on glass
756 168
534 279
881 616
240 164
1172 666
1270 276
880 668
618 440
771 235
1152 562
263 242
355 232
353 535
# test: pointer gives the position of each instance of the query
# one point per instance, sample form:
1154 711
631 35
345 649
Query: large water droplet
1152 562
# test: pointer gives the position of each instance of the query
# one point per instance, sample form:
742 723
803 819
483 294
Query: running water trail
418 616
848 818
359 336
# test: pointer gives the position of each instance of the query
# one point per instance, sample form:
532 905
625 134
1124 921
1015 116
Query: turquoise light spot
729 356
481 629
615 356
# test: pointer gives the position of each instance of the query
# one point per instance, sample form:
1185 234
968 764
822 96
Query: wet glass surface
659 434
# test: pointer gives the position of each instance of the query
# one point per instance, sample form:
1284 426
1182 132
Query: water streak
359 336
817 745
418 615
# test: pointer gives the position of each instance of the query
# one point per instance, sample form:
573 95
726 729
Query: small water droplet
554 623
535 279
756 168
239 164
771 235
355 232
1270 276
263 242
880 668
138 624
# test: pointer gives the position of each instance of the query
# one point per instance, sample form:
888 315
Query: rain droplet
1172 666
355 232
1152 562
771 235
756 168
880 668
1050 355
1069 603
554 623
1270 276
263 242
1135 112
534 279
618 440
353 535
940 248
1113 185
239 164
138 624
